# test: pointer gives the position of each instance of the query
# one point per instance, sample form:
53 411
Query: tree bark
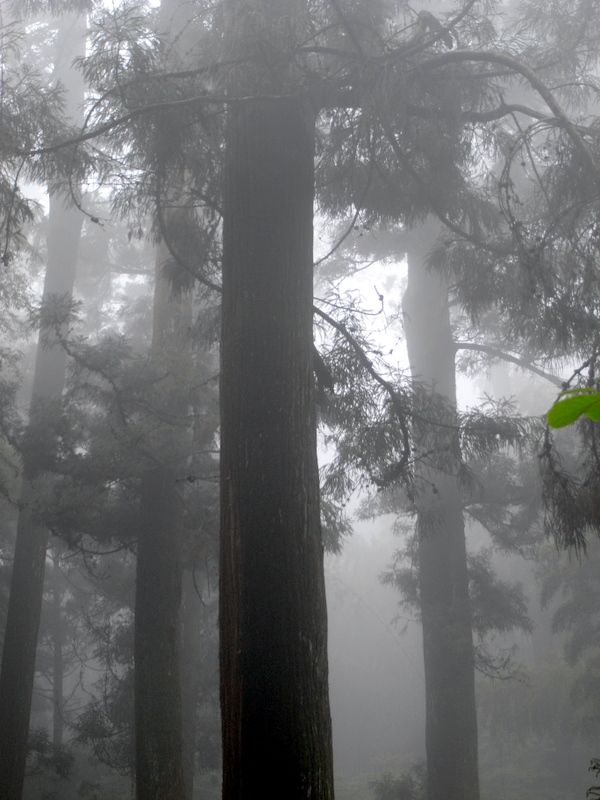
191 642
451 721
158 737
157 635
58 639
274 694
27 581
158 715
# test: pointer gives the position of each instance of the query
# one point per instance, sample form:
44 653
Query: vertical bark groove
274 693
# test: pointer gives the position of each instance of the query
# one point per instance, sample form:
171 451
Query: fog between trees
165 396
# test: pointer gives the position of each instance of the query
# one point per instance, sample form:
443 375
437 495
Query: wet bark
274 694
451 722
27 580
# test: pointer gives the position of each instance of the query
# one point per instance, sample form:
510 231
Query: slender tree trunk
27 581
274 693
451 722
191 641
158 716
57 657
158 708
159 772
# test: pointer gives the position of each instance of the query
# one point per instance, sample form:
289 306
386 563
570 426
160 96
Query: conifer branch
506 60
498 250
501 354
397 404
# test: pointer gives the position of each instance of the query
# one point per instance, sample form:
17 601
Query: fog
375 653
299 400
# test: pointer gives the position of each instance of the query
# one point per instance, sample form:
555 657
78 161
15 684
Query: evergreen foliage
418 114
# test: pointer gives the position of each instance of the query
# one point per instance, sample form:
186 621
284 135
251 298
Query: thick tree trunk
451 722
274 693
27 581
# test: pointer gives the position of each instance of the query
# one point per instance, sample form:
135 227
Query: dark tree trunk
274 694
451 722
159 772
191 636
27 581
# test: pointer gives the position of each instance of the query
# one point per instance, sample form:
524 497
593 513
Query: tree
274 694
159 771
451 718
403 100
27 581
434 166
157 635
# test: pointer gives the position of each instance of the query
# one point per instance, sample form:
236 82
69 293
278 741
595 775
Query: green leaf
594 412
565 412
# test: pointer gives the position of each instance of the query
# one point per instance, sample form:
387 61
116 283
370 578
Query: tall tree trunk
157 635
27 581
191 641
274 693
158 717
57 656
451 722
158 737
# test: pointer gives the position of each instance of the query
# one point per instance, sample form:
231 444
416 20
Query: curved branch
520 362
503 110
505 60
141 110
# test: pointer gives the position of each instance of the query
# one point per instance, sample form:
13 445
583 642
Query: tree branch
435 206
521 362
395 399
505 60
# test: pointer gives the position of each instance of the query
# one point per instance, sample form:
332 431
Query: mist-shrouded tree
416 106
433 148
454 594
27 580
159 770
159 762
445 609
274 693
